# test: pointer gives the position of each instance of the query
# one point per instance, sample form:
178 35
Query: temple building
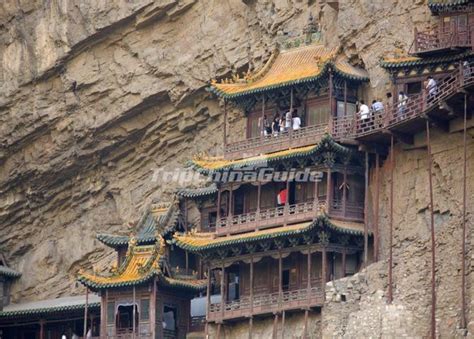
148 293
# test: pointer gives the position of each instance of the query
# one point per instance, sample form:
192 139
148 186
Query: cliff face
96 95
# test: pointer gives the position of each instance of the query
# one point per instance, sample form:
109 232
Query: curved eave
415 61
327 143
183 284
9 273
438 6
94 285
323 73
320 221
197 192
116 241
45 311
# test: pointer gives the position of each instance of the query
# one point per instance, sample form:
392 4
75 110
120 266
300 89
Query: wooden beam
328 191
366 217
134 325
222 290
324 272
275 326
390 245
153 308
225 124
343 265
376 216
86 311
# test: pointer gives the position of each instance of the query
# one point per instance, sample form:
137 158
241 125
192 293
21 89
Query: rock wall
97 95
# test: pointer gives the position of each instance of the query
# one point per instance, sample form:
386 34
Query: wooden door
317 111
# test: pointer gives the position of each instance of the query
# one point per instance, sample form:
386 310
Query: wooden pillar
366 217
259 198
390 256
280 280
85 312
324 271
308 287
219 325
225 124
328 191
222 290
262 127
208 299
433 240
153 309
251 298
275 326
463 322
376 216
231 203
218 206
331 99
42 322
344 254
91 324
134 312
290 131
345 97
283 318
103 313
344 191
186 215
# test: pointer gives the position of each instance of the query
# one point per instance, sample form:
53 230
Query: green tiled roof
44 307
147 227
436 5
320 222
415 61
326 144
8 272
198 192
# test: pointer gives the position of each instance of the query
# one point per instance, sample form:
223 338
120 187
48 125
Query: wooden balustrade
266 303
437 40
269 218
272 143
346 210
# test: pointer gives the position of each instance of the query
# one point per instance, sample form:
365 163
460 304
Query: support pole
283 316
328 191
280 280
225 125
287 200
218 207
42 329
390 257
262 127
331 94
308 287
464 231
208 299
324 271
85 312
344 191
153 309
222 291
366 217
345 97
251 298
259 198
344 254
433 240
134 312
275 326
290 129
376 217
185 215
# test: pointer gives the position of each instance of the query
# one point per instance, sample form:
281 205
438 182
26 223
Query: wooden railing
269 217
272 143
346 210
266 303
436 40
197 324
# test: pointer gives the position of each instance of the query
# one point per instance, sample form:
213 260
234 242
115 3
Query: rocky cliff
96 95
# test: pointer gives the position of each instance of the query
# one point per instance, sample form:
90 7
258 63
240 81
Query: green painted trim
320 221
7 272
197 192
324 72
327 143
47 310
426 61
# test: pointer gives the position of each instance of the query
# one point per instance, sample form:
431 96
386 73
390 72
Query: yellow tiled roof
215 163
289 67
139 258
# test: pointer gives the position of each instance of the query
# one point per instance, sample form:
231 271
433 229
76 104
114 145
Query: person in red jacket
281 197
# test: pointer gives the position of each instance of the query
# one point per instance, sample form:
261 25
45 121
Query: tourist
282 124
467 69
288 119
402 102
389 100
296 121
282 196
276 125
431 87
267 130
377 106
364 113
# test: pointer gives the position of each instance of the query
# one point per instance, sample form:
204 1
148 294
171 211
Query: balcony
255 146
269 218
436 41
266 304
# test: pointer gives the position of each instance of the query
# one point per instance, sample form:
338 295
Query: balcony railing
436 40
266 303
269 217
272 143
346 210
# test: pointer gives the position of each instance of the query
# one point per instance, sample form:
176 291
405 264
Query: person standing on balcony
296 121
377 106
402 102
364 114
281 197
265 127
431 87
288 119
276 125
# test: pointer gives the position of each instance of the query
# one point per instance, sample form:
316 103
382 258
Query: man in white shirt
364 111
288 119
432 86
296 121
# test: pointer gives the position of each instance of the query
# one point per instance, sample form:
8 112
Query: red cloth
282 197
